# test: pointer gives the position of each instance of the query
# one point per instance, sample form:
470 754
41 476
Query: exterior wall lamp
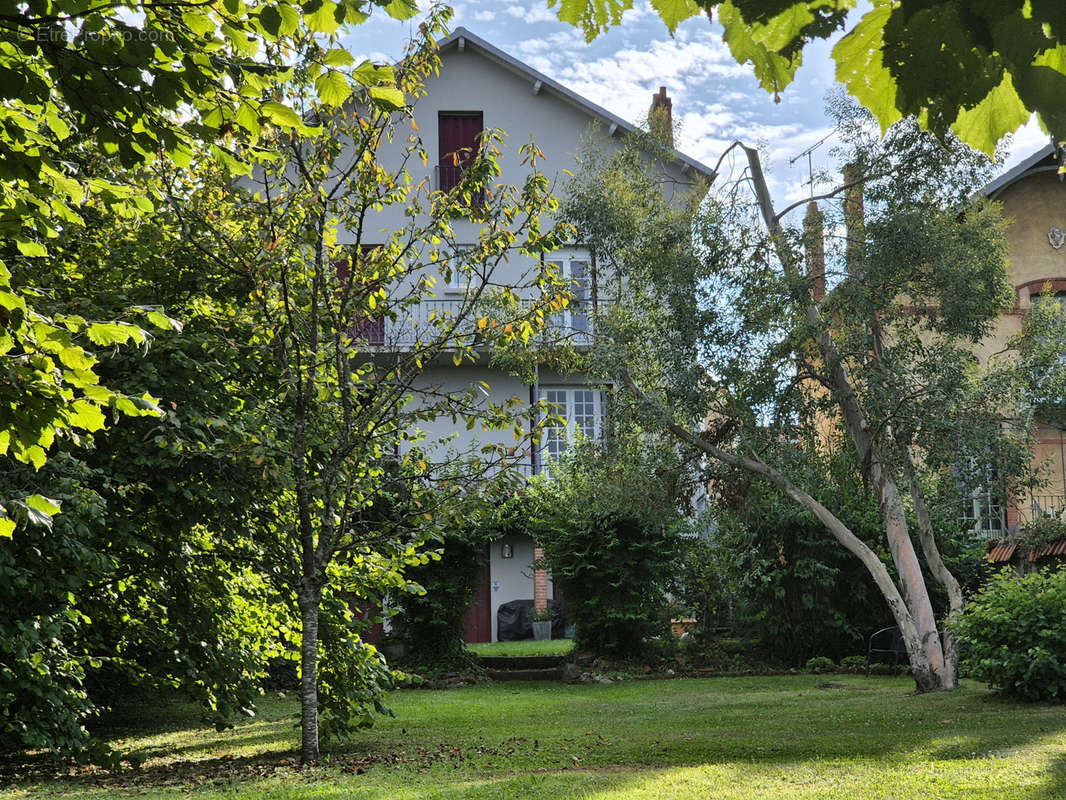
507 550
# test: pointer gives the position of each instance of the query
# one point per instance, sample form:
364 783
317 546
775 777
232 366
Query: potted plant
542 619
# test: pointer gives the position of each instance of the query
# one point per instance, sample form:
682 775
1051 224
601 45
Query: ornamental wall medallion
1056 238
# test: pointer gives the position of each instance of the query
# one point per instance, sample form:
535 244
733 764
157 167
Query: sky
715 100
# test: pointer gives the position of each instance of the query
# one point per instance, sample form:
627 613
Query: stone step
521 662
526 674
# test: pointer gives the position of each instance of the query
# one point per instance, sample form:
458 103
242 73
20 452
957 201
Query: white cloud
484 16
532 14
1026 141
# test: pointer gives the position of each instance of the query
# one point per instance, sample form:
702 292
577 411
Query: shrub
430 623
1012 635
1041 532
791 584
608 521
820 664
853 664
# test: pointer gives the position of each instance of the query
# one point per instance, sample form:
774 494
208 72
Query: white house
480 87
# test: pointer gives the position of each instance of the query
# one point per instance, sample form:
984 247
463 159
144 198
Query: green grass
766 738
553 647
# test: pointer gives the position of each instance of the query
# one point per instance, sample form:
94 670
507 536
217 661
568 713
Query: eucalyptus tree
754 354
346 310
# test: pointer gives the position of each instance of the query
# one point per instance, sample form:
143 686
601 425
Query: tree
979 70
884 356
346 311
146 579
132 82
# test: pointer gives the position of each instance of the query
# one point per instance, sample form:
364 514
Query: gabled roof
1032 164
461 38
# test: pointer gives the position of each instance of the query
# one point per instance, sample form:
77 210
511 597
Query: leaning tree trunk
940 571
309 601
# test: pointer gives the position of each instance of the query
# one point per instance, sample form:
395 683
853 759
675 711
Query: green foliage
1012 636
819 665
853 664
1041 532
700 590
1036 358
126 83
977 70
789 583
353 678
792 586
429 621
607 517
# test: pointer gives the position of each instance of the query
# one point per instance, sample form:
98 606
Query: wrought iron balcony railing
429 320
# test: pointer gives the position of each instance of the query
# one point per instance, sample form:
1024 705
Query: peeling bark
940 571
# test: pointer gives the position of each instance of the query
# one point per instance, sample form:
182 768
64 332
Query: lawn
529 647
776 737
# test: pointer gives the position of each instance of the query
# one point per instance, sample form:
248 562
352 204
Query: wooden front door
477 625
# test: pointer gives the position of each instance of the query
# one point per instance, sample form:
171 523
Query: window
573 266
983 514
458 137
457 281
1054 297
982 505
581 411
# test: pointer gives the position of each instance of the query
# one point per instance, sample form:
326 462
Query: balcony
1038 506
989 521
425 322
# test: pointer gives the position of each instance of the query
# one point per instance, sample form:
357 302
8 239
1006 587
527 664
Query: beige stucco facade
1033 199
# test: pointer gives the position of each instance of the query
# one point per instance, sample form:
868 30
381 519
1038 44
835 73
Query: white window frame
460 281
985 513
564 260
567 410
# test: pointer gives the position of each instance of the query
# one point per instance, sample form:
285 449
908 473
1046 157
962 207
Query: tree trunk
309 602
956 601
915 619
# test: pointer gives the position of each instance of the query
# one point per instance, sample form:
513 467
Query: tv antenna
810 160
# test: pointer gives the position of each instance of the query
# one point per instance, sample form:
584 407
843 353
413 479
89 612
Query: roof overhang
1043 160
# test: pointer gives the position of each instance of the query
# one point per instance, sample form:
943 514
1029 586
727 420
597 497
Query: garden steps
523 668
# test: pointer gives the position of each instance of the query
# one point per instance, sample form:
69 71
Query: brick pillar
814 241
540 582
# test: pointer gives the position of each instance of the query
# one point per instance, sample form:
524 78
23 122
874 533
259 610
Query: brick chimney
661 116
814 242
854 220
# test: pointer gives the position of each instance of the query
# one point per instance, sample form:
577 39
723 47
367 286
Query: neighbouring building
1033 197
481 87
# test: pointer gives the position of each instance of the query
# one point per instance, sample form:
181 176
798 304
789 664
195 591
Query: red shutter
372 329
456 132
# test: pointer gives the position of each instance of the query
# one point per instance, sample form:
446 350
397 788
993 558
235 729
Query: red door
457 138
477 624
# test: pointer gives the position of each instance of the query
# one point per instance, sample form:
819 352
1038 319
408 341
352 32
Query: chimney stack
854 219
814 241
661 117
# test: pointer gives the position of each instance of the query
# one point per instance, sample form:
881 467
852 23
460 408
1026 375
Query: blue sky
715 100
